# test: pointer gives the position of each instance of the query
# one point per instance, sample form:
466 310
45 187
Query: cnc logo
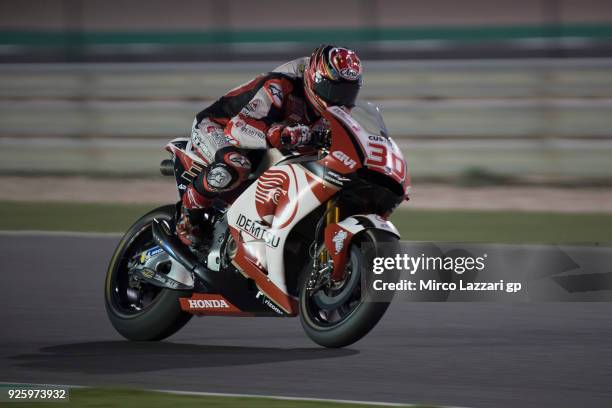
207 304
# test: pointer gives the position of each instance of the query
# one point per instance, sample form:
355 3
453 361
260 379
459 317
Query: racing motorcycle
289 244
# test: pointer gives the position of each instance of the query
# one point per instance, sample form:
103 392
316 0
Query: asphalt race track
55 330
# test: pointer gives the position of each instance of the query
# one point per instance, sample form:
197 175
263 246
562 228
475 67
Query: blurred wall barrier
96 30
516 118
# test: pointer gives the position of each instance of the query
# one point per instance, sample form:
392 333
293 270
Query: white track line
71 234
273 397
281 398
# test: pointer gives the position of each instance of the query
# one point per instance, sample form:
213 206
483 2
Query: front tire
161 316
359 319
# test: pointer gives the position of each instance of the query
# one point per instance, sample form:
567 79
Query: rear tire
163 316
362 318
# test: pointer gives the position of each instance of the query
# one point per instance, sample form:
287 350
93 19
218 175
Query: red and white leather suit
268 111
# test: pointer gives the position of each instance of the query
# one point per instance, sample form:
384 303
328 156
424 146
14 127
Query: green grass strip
415 225
504 226
70 216
101 397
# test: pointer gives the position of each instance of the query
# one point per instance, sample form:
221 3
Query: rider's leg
228 169
190 216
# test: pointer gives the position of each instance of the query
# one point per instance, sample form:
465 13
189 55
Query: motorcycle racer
278 109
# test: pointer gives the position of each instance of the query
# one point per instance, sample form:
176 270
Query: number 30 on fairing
380 156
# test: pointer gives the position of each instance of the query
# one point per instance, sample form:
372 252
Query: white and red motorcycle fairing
262 217
288 244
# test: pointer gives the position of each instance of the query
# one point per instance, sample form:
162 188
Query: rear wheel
141 312
336 315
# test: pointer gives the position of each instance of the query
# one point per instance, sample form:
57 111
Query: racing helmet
332 77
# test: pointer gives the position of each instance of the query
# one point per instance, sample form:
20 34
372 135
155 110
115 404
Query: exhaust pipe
174 247
166 167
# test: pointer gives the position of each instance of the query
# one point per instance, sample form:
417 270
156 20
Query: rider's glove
293 136
281 136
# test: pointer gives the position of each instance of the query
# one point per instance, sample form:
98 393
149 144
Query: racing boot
192 208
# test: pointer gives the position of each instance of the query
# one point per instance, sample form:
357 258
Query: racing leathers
268 111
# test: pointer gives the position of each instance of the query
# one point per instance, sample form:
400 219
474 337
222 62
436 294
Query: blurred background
503 109
496 104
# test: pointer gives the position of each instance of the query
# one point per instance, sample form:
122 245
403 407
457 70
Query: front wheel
339 316
141 312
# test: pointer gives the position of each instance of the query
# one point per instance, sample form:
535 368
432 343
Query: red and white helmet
332 77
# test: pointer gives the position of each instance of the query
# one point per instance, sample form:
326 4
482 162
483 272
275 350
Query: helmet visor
341 93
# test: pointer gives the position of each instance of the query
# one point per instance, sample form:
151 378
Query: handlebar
321 138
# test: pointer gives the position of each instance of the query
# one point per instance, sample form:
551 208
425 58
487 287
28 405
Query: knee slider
219 177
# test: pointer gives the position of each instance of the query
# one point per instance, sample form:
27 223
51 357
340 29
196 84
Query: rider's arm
281 135
250 127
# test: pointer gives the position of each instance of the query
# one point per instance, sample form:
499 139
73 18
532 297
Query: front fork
336 238
323 261
332 217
